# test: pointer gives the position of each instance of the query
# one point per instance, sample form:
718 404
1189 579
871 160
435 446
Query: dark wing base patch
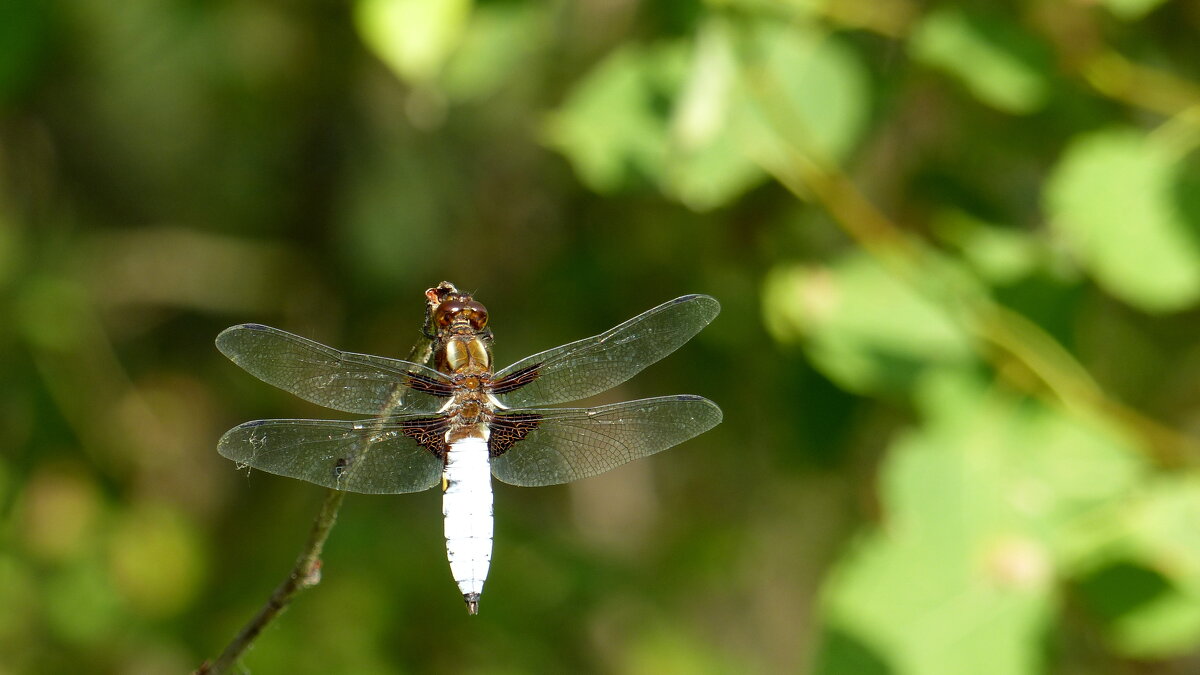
516 380
508 429
428 385
429 433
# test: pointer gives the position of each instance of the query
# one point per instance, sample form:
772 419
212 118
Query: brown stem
305 574
307 570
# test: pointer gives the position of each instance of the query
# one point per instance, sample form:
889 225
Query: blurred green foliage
957 247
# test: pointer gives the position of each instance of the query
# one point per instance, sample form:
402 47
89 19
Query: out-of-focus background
957 247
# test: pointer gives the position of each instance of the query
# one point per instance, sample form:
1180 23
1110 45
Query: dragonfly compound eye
477 314
448 311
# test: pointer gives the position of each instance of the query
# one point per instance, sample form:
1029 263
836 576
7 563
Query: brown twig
305 574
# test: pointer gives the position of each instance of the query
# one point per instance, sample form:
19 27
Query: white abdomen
467 506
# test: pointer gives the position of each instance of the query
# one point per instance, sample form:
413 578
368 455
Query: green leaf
1000 65
1165 526
739 95
1161 532
1000 255
810 91
413 37
758 92
1130 9
1166 626
983 505
707 167
861 327
798 9
1111 199
498 39
611 126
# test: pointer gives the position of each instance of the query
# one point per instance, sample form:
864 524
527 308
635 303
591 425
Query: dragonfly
459 422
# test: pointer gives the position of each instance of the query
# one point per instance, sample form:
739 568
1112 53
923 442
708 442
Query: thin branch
306 573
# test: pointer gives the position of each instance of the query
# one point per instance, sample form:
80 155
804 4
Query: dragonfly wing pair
531 446
376 457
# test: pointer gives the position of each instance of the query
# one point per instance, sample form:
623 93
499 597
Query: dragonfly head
458 313
461 315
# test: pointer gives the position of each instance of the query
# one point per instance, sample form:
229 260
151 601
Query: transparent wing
354 383
567 444
596 364
371 456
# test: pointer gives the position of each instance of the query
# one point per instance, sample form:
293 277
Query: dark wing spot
430 386
429 433
516 380
509 429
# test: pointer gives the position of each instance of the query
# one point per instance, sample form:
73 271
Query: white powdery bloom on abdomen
467 507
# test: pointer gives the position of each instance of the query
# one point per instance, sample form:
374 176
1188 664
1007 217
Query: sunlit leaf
982 506
739 95
1112 198
497 40
1131 9
799 8
613 126
1163 528
998 63
809 92
1166 626
1000 255
413 37
704 105
861 327
708 165
762 93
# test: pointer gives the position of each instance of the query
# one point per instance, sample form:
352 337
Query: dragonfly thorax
464 355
